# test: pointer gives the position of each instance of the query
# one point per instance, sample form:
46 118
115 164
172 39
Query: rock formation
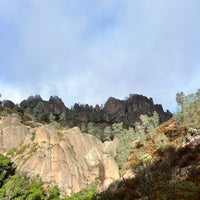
115 110
66 158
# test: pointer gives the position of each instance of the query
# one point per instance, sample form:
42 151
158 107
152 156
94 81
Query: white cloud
88 51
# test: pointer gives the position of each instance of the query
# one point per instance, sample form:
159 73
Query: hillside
167 165
150 160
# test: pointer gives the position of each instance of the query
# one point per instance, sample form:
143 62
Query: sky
86 51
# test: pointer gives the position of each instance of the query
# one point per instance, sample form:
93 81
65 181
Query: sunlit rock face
66 158
12 132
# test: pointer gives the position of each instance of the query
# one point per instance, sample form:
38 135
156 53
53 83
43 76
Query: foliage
155 179
167 165
33 136
19 187
21 149
53 193
5 168
125 137
86 194
60 134
4 111
189 109
149 123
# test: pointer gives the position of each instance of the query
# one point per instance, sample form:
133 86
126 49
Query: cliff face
130 109
114 110
67 158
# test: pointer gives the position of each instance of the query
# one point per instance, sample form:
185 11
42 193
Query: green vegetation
125 138
166 166
4 111
21 149
11 152
163 170
33 136
145 129
86 194
60 134
18 187
5 169
156 179
188 109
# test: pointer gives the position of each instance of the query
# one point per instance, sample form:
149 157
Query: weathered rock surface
114 110
130 109
12 132
108 172
67 158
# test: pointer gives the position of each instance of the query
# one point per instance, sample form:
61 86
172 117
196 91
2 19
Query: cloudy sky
86 51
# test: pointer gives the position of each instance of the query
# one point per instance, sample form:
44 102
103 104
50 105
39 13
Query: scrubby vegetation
18 186
86 194
167 165
164 159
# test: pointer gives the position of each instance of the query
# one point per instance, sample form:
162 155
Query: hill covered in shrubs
167 164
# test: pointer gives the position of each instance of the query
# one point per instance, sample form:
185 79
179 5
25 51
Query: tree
180 99
155 119
198 93
107 134
54 193
5 168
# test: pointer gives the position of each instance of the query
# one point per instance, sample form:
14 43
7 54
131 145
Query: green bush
5 168
85 194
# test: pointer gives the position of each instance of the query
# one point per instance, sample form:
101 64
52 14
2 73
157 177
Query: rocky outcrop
66 158
115 110
9 104
130 109
12 132
34 104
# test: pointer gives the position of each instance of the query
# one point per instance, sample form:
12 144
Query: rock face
9 104
66 158
35 104
115 110
12 132
130 110
108 172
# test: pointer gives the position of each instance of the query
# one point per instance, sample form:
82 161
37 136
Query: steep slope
66 158
166 165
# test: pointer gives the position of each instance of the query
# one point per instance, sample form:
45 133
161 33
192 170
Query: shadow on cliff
175 174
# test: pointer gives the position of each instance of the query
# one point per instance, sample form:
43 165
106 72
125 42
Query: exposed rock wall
67 158
113 111
12 132
130 109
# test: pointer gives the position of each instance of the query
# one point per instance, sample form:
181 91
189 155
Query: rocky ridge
114 110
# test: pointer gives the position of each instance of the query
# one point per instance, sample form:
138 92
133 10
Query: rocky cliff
114 110
66 158
130 109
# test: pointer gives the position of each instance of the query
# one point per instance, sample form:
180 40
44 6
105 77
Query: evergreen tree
180 99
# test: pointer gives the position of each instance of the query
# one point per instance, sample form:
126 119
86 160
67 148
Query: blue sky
86 51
